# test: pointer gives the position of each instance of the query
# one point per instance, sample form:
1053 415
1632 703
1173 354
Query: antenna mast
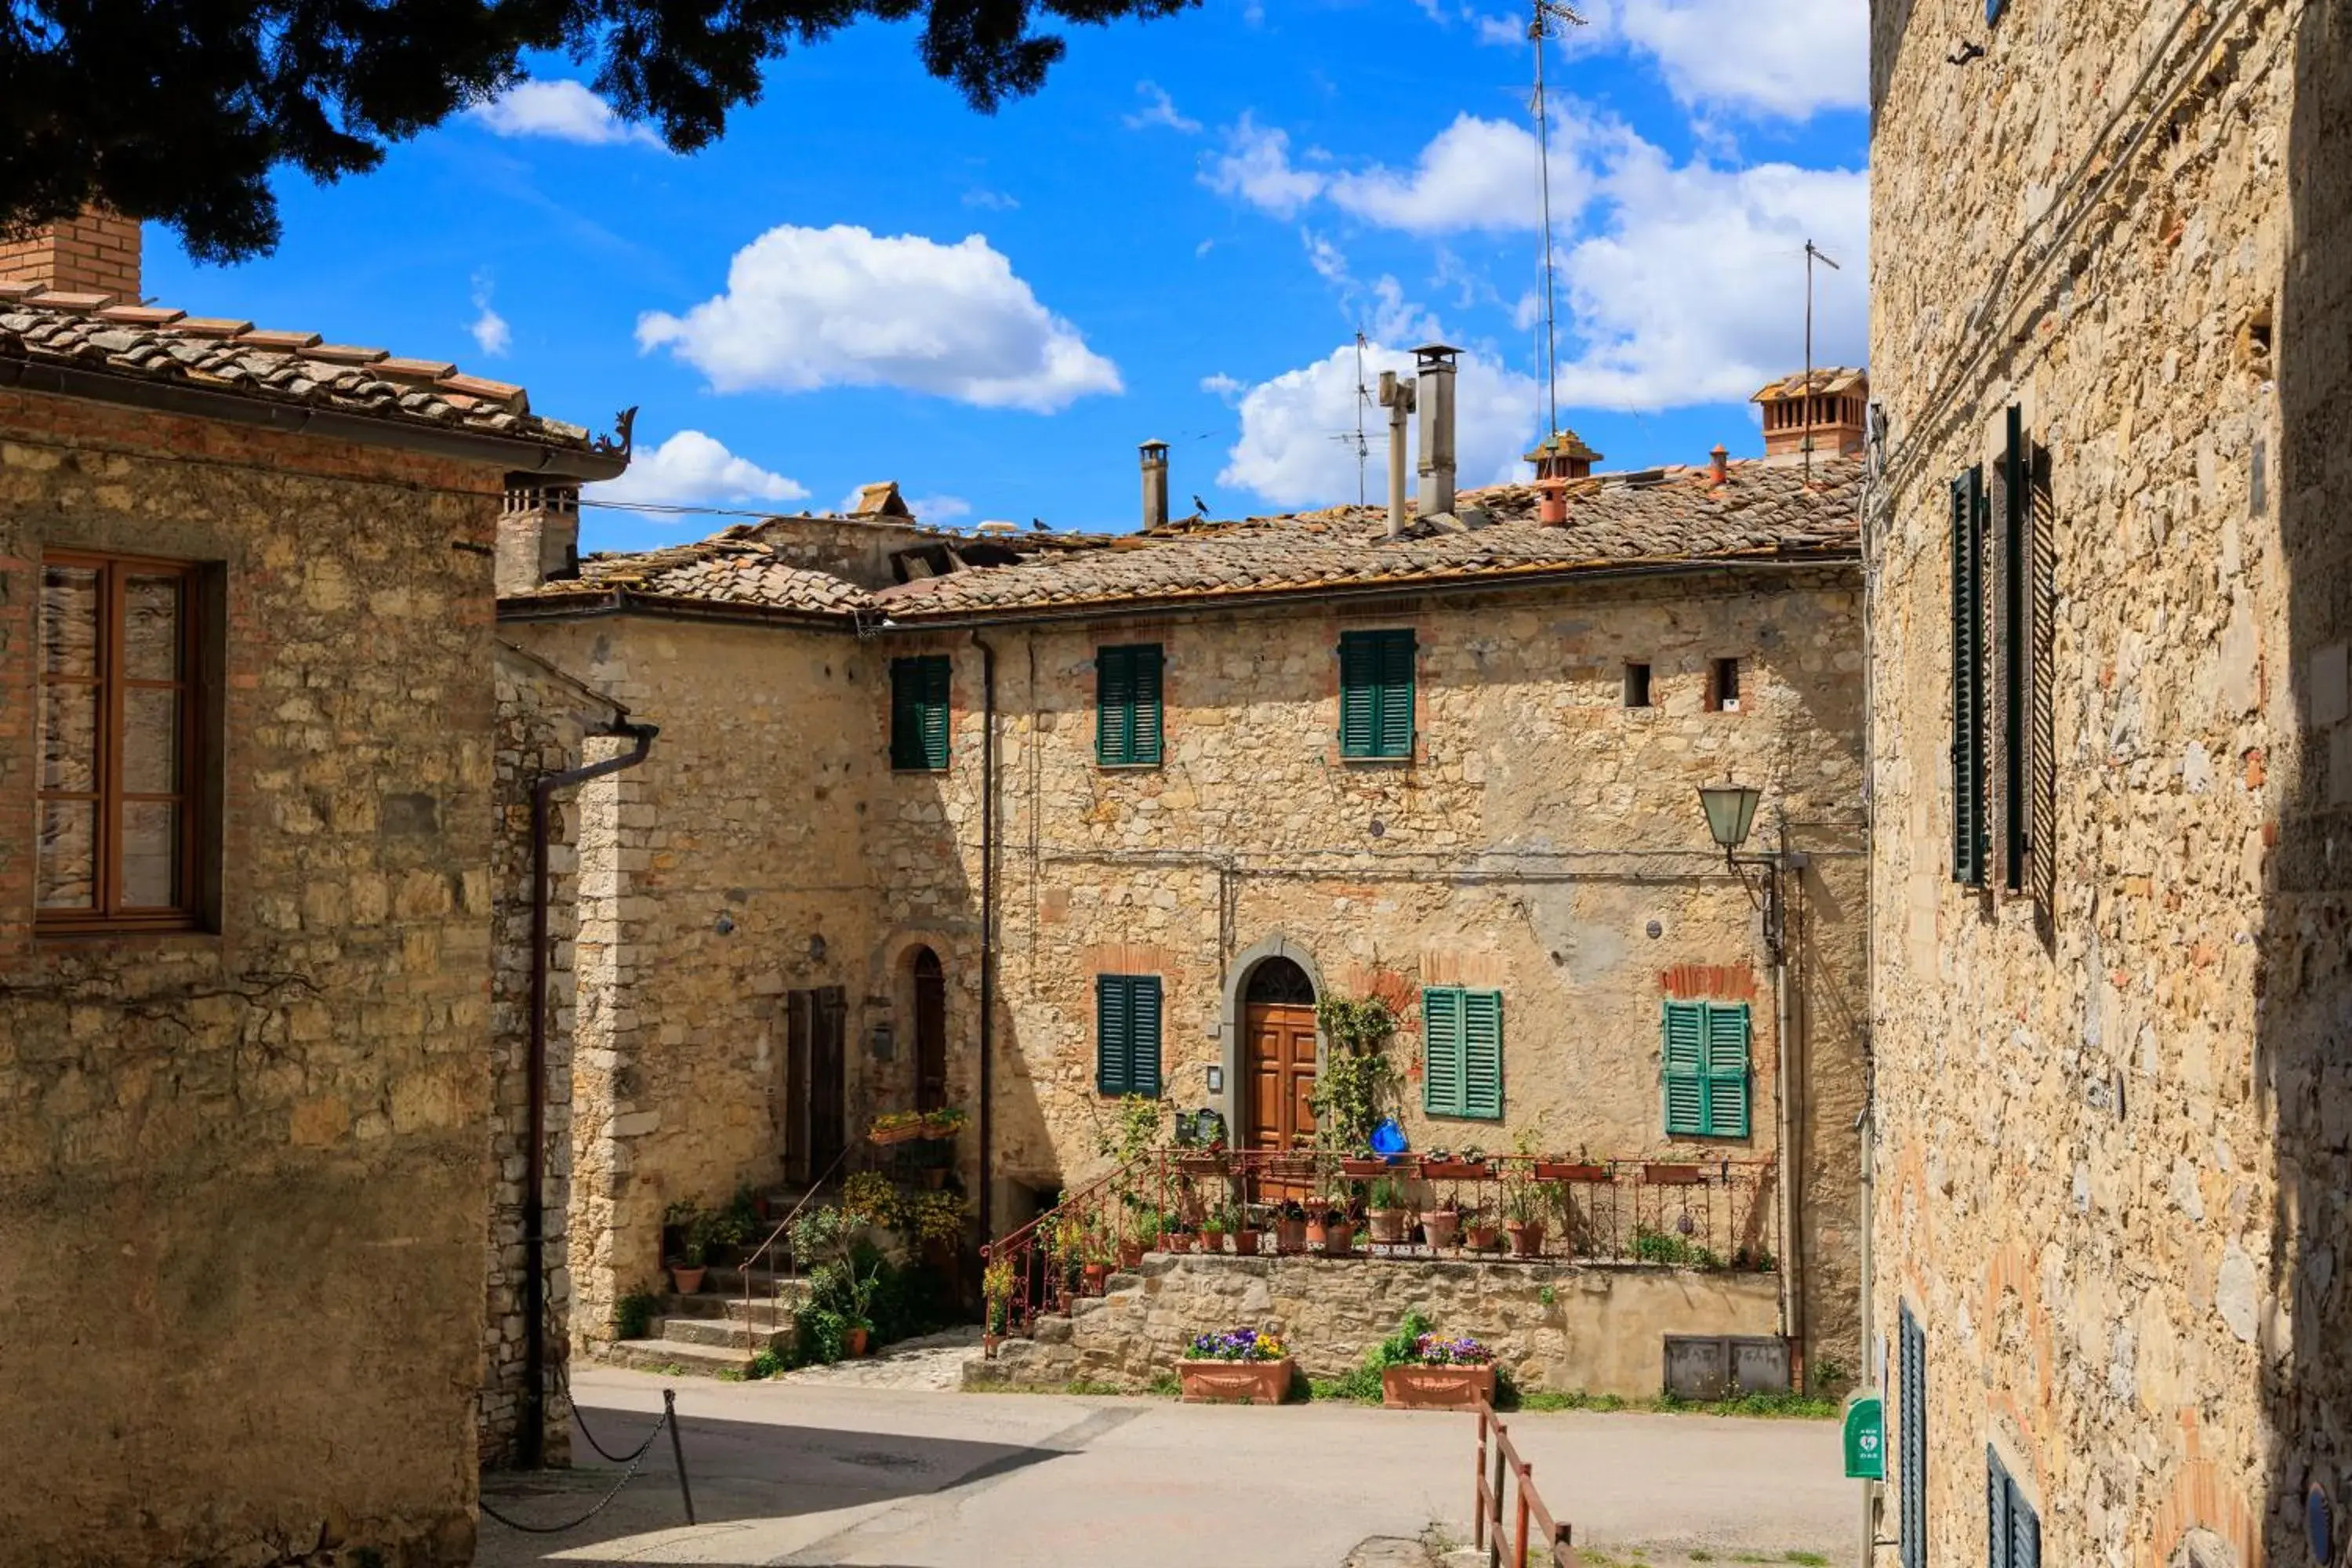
1545 13
1812 253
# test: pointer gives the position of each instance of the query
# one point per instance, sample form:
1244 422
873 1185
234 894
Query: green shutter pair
1706 1070
1968 842
1911 1451
1376 694
1462 1052
2012 1529
918 712
1126 1034
1127 705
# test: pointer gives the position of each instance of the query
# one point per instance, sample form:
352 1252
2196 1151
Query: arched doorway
1277 1052
931 1031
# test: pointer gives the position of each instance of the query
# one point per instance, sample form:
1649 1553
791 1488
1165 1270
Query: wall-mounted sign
1865 1440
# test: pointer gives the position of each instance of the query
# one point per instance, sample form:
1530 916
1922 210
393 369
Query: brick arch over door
1232 1028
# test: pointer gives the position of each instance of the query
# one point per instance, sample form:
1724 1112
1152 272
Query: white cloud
491 333
1790 59
692 469
810 308
1256 167
1203 248
1158 109
1692 287
938 509
1289 454
1474 175
1499 30
990 201
563 110
1224 385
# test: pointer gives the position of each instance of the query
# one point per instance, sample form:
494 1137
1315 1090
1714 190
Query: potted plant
944 1123
1443 1165
996 1290
1576 1170
1441 1226
1290 1227
1212 1230
895 1127
1336 1229
1130 1242
1523 1217
1384 1210
1241 1366
1431 1371
1244 1233
688 1228
1478 1225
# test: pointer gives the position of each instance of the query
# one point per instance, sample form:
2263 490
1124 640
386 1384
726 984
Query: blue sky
1177 238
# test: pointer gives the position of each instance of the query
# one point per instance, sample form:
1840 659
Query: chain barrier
636 1462
565 1389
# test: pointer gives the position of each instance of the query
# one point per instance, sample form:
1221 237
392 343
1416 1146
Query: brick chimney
1827 416
538 537
1560 459
1432 374
94 253
1155 485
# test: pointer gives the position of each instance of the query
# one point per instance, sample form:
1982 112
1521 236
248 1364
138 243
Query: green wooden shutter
936 673
1685 1067
1396 650
1114 706
1144 735
2015 506
1727 1070
1968 679
1482 1054
1112 1028
1911 1456
1376 694
2024 1531
1440 1042
1997 1537
1143 1035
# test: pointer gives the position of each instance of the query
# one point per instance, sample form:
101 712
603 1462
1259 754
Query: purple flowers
1235 1344
1433 1350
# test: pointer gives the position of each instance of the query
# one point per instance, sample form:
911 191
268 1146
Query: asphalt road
834 1475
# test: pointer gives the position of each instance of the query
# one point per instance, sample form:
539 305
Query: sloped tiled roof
732 568
1827 381
142 344
1661 518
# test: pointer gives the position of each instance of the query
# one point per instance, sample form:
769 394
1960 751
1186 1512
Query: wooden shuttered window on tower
1911 1450
1127 705
918 712
1462 1052
1376 698
2012 1529
2011 500
2040 685
2020 598
1969 839
1706 1070
1126 1034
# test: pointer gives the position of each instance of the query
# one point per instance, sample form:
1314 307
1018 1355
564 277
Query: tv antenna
1812 253
1363 401
1547 13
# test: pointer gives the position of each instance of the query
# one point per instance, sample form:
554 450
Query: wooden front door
1279 1067
815 1112
930 1032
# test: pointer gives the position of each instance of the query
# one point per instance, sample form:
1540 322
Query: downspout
987 924
1792 1285
532 1439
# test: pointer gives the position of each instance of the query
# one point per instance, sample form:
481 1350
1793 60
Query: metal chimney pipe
1397 397
1433 384
1155 485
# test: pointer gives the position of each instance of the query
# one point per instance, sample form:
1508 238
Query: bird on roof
1039 524
1200 507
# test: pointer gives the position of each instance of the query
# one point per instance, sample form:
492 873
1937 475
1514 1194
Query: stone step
764 1305
676 1358
766 1314
764 1281
726 1332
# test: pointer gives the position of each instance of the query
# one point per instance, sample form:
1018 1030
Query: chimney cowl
1155 485
1718 463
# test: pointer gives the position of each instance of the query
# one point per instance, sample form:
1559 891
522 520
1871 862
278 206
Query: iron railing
1710 1214
1501 1473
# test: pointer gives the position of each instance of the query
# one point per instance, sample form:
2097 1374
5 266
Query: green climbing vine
1356 1083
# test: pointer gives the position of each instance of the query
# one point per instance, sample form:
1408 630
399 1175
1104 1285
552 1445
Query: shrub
632 1315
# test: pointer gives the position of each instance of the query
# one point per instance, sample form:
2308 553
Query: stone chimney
1560 459
1155 485
538 537
1827 416
94 253
1397 397
1434 391
1718 466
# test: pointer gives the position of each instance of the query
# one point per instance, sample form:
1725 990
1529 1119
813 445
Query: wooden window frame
1445 1031
1378 645
195 796
1118 730
1723 685
911 677
1125 1052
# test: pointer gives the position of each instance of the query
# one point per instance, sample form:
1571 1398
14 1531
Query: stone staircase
715 1331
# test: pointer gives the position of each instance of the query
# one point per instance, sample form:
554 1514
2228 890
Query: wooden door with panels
1278 1051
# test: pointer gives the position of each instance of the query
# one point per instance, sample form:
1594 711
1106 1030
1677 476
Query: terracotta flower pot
1672 1175
1290 1235
1338 1240
1442 1227
1485 1238
1235 1382
1130 1254
1386 1225
1175 1241
1454 1170
887 1135
1568 1170
1213 1241
1527 1239
1364 1170
684 1281
1437 1387
1096 1274
852 1343
1245 1244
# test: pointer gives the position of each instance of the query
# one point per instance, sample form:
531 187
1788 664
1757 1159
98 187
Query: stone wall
2111 1158
1565 1328
242 1206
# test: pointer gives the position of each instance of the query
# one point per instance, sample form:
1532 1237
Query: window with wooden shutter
1911 1440
1462 1052
2010 618
1127 705
1707 1071
2012 1529
918 712
1969 845
1126 1034
2040 684
1376 671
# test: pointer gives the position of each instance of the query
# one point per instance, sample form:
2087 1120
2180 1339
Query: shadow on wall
2304 1033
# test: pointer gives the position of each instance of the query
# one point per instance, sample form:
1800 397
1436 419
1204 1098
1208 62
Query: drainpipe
532 1439
987 920
1869 1362
1793 1289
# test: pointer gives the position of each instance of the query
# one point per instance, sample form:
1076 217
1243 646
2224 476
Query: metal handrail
1532 1522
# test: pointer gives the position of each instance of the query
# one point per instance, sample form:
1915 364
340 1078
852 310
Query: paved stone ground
824 1472
933 1363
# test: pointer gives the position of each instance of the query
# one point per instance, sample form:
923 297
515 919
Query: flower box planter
1456 1170
1672 1175
1413 1387
1202 1164
1291 1167
1568 1170
1235 1382
887 1135
1366 1170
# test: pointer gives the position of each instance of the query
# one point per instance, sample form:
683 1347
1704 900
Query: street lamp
1731 812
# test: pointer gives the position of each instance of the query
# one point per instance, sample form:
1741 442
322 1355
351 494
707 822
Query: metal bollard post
677 1449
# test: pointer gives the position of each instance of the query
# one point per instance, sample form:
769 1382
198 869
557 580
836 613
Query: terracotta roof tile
211 326
347 353
270 340
731 568
139 315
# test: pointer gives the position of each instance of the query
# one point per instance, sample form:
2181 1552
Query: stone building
246 712
923 801
2112 769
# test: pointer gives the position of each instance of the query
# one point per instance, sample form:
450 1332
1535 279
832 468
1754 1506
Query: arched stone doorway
931 1054
1277 1048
